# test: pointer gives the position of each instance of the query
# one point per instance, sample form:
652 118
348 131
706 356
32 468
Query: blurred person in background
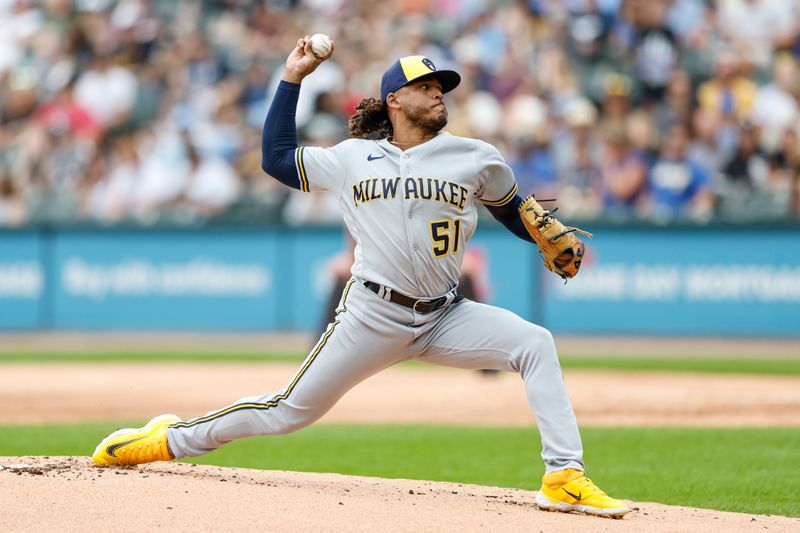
748 165
677 104
755 28
109 198
655 51
756 181
775 107
642 133
592 50
728 93
221 134
576 147
615 105
700 43
705 149
788 157
62 168
530 157
19 22
678 187
13 211
95 171
164 171
107 90
623 174
65 112
211 185
685 18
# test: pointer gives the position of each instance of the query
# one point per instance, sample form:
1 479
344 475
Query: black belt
419 306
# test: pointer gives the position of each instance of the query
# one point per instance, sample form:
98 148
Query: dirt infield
66 392
69 494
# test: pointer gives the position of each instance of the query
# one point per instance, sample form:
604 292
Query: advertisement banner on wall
709 282
22 280
656 281
166 280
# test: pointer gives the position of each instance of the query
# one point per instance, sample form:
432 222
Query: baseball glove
561 249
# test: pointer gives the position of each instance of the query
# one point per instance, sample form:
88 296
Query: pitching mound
70 494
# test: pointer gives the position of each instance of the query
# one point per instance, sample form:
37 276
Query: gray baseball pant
371 334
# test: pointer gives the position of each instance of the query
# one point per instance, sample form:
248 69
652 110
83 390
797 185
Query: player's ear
392 102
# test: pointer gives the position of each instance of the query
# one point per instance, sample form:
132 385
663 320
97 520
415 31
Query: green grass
755 365
745 470
788 367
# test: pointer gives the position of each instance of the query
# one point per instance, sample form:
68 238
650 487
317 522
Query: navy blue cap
407 69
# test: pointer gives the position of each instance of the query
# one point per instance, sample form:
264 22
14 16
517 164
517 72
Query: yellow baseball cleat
570 490
134 446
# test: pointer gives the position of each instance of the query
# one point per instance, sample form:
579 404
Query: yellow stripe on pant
272 403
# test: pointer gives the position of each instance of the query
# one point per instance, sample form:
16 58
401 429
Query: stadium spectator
542 80
164 172
530 157
107 91
211 186
757 180
749 166
775 106
623 174
576 147
677 105
12 208
678 187
655 50
108 198
728 93
66 114
705 148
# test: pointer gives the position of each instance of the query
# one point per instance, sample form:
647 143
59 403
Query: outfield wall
660 281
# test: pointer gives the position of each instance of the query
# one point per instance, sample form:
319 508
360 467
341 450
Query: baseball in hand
320 44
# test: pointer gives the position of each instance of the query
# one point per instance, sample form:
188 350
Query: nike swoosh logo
114 447
371 157
579 497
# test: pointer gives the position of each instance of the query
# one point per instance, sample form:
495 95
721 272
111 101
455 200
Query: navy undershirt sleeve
279 138
508 215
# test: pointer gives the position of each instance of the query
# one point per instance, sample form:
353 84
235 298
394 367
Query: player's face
423 104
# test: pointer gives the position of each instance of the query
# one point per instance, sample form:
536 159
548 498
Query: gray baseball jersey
411 213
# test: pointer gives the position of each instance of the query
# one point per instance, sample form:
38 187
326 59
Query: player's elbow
273 164
268 164
281 168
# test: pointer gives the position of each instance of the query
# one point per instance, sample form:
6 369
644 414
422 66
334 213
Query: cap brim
448 78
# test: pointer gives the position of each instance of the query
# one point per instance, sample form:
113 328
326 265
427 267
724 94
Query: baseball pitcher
409 192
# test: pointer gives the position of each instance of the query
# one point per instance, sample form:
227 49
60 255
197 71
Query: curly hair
370 121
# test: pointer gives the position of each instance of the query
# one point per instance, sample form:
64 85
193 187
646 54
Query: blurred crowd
145 111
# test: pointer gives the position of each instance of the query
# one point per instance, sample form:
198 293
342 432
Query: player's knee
291 419
292 426
537 345
544 338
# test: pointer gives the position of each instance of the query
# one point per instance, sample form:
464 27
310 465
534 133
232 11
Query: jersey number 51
443 244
